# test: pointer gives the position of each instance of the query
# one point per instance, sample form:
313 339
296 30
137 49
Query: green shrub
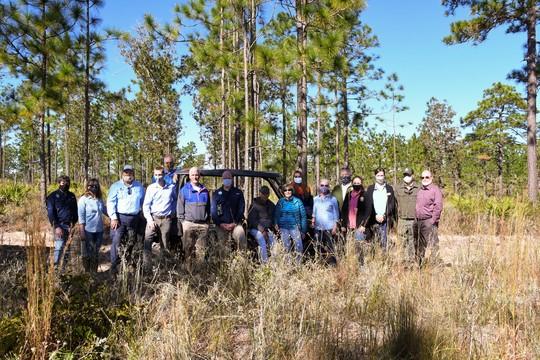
13 194
11 335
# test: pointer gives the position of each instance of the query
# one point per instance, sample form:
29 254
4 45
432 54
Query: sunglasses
325 185
426 177
285 190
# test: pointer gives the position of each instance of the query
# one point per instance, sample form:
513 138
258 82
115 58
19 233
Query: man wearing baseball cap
406 194
124 205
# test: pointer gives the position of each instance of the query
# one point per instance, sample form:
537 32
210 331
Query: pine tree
518 16
34 41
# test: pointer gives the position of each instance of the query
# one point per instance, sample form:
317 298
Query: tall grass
482 303
40 280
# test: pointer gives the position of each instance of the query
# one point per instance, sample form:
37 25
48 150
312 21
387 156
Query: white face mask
407 179
297 180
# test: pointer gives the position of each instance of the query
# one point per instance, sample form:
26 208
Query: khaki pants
194 241
405 232
236 238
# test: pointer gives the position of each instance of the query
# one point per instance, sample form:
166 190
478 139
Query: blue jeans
261 240
60 243
127 224
92 244
296 236
380 234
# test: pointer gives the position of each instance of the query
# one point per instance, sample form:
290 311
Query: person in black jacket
62 213
227 209
354 213
380 203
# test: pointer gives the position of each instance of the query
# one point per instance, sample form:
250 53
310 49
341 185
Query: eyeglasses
286 190
325 185
426 177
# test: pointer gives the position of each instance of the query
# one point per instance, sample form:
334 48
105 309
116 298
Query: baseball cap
408 171
127 168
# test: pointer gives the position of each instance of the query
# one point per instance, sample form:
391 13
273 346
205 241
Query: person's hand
114 224
334 230
227 227
343 229
150 224
82 234
261 229
379 218
276 227
58 232
362 229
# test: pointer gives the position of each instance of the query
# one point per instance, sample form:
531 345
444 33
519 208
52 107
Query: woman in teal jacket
291 222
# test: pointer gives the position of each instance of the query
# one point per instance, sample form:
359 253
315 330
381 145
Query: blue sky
410 34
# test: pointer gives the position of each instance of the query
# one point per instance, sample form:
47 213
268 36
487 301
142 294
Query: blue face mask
227 182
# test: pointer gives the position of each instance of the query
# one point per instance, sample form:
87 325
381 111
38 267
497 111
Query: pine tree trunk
283 96
338 137
318 135
301 88
531 102
86 154
345 117
500 167
41 115
223 95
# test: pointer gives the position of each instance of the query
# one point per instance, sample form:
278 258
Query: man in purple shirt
429 206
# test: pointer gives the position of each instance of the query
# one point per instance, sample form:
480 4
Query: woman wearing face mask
380 205
353 212
290 221
303 192
91 209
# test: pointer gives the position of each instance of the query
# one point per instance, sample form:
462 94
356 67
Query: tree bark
283 96
301 88
86 154
531 103
345 117
318 135
223 95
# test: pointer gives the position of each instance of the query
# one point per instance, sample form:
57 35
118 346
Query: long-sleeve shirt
62 208
159 201
380 197
125 199
290 214
325 212
193 204
228 206
429 203
91 211
261 213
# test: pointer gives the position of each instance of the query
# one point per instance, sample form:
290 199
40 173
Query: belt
198 221
162 217
428 218
128 214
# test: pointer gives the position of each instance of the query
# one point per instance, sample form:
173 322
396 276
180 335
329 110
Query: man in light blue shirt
124 205
159 209
325 220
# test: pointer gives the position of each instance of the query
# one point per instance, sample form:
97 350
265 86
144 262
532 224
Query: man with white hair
193 211
429 206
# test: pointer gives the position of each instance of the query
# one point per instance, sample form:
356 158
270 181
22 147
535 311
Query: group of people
349 211
165 210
